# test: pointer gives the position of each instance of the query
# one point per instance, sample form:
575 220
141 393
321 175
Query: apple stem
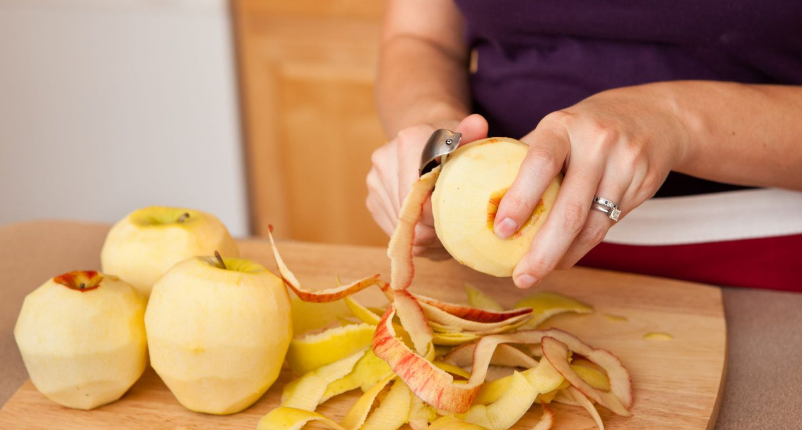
183 217
82 286
220 260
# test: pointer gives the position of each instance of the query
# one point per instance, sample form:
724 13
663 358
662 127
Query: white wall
106 106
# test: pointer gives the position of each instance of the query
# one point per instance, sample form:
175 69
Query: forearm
738 133
420 82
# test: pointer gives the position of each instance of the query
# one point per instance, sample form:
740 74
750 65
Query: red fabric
771 262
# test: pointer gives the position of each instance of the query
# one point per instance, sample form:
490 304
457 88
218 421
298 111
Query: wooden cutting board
677 383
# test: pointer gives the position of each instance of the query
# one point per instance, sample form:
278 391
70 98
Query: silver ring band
609 208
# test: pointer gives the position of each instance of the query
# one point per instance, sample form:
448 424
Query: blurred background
259 111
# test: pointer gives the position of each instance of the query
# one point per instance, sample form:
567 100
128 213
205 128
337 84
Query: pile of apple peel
439 365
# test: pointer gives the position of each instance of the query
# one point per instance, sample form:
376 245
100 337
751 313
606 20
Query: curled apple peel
313 351
324 295
556 353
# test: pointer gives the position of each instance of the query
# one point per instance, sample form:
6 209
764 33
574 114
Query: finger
379 203
386 165
473 127
379 190
548 149
597 224
410 145
382 220
566 220
425 236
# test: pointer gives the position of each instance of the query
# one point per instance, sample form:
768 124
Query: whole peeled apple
145 244
82 338
466 198
218 330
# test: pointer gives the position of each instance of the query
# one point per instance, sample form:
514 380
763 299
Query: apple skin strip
543 379
556 353
440 316
433 385
508 409
546 420
368 371
393 412
361 312
480 300
590 373
308 391
460 311
620 381
358 413
400 248
505 355
316 350
327 295
413 321
420 414
546 304
453 339
583 401
451 422
289 418
284 418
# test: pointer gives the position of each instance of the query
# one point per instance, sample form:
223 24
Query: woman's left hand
619 144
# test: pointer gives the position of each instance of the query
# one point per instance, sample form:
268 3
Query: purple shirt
538 56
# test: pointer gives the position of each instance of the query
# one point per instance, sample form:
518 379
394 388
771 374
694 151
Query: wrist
685 119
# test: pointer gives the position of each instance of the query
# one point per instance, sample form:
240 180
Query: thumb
473 127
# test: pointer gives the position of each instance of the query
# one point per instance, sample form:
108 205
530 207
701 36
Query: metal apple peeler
441 143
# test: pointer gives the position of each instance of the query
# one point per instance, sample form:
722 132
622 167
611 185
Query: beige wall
106 106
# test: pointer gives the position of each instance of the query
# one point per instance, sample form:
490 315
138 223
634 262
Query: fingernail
525 281
506 228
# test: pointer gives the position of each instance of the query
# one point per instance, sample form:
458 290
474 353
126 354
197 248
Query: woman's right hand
395 169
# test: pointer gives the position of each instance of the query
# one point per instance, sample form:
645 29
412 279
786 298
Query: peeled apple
82 338
145 244
218 333
466 198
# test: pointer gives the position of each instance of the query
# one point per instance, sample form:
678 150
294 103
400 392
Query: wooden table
765 328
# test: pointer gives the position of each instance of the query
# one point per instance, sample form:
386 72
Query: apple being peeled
465 201
82 338
218 331
145 244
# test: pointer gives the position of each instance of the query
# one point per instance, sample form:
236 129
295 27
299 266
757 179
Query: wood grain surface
677 383
306 73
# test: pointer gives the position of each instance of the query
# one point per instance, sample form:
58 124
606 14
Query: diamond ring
603 205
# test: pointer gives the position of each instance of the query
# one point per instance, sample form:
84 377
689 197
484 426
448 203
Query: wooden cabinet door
306 72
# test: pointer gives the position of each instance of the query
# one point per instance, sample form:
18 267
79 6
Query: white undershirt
731 215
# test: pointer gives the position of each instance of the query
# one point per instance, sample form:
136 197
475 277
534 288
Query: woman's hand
395 168
618 144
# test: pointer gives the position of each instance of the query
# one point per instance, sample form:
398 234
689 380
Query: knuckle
573 217
605 133
559 117
593 233
651 183
515 204
539 267
540 155
635 151
565 264
378 156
